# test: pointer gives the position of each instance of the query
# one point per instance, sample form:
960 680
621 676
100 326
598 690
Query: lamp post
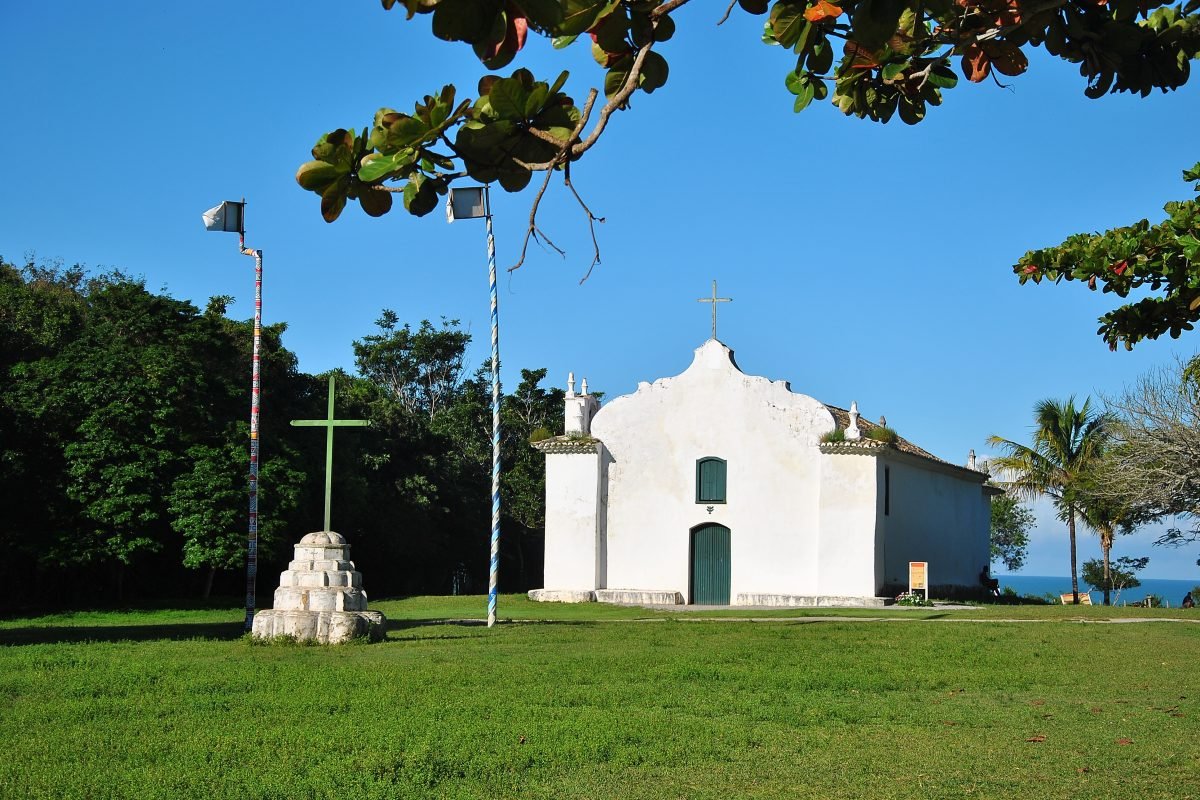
472 202
230 217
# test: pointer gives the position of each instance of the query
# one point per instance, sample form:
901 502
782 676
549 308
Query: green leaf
892 71
875 21
316 176
820 55
795 83
1190 246
508 98
768 35
581 15
496 44
943 77
787 22
543 15
654 72
665 29
375 202
333 200
610 32
336 147
379 166
536 99
420 197
514 178
405 131
616 77
754 6
560 42
470 21
559 82
911 111
803 97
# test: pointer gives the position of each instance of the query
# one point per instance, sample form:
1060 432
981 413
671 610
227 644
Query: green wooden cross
329 423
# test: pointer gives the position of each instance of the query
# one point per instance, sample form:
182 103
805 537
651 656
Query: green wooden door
710 565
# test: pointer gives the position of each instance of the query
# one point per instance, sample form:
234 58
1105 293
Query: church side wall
936 517
572 541
848 561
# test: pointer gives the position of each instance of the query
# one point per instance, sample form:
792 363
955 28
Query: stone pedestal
320 596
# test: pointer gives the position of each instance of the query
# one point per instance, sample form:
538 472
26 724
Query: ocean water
1171 591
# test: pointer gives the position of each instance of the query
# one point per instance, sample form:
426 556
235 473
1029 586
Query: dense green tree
1113 577
121 396
208 507
1067 441
116 401
1161 262
523 480
124 438
1011 521
421 370
41 308
431 456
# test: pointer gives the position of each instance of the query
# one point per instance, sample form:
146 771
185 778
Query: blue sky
866 262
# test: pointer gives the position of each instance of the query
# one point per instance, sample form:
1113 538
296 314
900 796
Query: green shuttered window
710 480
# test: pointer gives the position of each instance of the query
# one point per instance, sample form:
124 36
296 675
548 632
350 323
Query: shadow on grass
402 624
51 634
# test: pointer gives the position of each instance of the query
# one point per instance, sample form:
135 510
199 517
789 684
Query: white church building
717 487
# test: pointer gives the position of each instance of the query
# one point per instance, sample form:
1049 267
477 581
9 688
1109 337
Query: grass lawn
607 702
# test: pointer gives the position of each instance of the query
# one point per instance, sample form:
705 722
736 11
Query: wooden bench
1068 599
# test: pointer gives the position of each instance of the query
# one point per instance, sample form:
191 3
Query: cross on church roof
329 423
714 300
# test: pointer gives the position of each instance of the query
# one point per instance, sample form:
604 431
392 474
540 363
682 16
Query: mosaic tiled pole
255 392
494 564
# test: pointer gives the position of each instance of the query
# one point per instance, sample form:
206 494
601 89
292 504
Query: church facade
717 487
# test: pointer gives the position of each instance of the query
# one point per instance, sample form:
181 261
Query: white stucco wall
573 521
935 515
766 434
849 559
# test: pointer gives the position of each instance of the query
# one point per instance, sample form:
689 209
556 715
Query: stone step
808 601
640 597
321 598
317 579
562 595
326 627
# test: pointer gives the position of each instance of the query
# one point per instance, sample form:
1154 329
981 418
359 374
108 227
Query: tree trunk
1106 547
208 582
1074 572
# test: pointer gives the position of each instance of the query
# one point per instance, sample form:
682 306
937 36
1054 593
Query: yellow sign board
918 576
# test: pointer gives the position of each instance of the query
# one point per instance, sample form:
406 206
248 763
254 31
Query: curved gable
712 392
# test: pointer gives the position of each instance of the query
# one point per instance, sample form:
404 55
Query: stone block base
809 601
640 597
325 627
562 595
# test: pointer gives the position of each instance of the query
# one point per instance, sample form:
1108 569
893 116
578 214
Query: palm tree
1066 442
1107 507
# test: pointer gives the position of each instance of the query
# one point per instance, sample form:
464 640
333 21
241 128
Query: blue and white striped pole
473 202
494 563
